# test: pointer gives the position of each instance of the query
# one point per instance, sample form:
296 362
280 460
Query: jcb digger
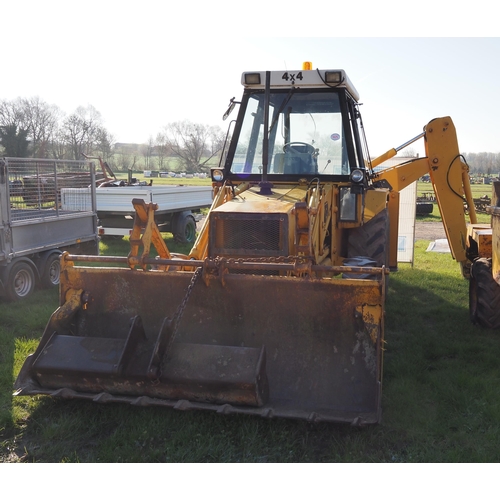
278 310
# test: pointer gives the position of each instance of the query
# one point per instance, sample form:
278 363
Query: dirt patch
429 231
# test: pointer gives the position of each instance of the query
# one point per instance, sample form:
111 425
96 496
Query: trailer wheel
52 271
484 295
21 281
185 231
371 240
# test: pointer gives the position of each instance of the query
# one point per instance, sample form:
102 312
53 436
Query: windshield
305 135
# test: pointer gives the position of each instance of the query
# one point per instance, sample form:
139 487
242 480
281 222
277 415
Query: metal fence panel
39 188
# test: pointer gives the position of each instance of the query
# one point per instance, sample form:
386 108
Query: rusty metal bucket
279 345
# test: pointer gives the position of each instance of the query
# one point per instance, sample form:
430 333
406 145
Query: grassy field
441 401
176 181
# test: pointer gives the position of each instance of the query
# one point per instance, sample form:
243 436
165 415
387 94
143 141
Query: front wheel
21 281
484 295
371 240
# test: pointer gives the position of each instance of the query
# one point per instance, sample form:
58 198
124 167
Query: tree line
479 163
33 128
483 163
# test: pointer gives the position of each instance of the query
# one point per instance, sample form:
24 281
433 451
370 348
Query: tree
127 159
409 153
104 144
13 135
40 119
147 152
191 142
10 114
34 116
81 131
14 141
483 163
161 149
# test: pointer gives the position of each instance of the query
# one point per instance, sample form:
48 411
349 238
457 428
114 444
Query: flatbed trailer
176 212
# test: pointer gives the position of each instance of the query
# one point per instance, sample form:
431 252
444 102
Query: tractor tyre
484 295
424 208
371 240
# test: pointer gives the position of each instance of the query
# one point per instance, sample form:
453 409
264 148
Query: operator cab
313 127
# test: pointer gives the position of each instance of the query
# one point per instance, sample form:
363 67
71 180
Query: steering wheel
290 146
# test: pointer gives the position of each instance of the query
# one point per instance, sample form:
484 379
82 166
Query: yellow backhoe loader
278 310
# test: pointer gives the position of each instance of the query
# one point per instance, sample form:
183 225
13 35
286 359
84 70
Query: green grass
441 401
478 190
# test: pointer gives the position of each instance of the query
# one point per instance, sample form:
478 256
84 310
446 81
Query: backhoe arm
449 176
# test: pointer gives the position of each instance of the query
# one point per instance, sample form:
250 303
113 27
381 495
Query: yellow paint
449 177
375 202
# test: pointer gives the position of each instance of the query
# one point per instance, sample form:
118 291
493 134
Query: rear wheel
21 281
185 231
52 271
484 295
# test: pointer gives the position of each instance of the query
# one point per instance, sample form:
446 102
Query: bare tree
483 162
33 115
161 149
191 142
147 152
11 113
40 119
80 131
57 146
124 159
217 138
104 145
409 153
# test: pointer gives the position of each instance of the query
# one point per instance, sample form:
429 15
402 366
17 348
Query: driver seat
299 161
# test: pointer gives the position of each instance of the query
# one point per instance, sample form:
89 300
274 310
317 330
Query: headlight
333 77
357 176
252 78
217 175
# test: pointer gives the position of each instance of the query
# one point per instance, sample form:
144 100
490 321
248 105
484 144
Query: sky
145 64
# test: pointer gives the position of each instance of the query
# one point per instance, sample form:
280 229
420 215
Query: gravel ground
429 231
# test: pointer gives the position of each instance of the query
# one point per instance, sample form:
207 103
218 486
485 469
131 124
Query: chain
198 272
180 310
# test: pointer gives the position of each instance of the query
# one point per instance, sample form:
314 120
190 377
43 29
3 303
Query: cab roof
318 78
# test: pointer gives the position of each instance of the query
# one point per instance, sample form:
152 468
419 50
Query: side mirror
232 104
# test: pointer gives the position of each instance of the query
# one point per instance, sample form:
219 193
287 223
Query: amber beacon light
308 65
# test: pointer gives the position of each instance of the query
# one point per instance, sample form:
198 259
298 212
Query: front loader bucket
276 346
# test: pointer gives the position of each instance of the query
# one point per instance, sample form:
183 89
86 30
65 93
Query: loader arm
450 180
